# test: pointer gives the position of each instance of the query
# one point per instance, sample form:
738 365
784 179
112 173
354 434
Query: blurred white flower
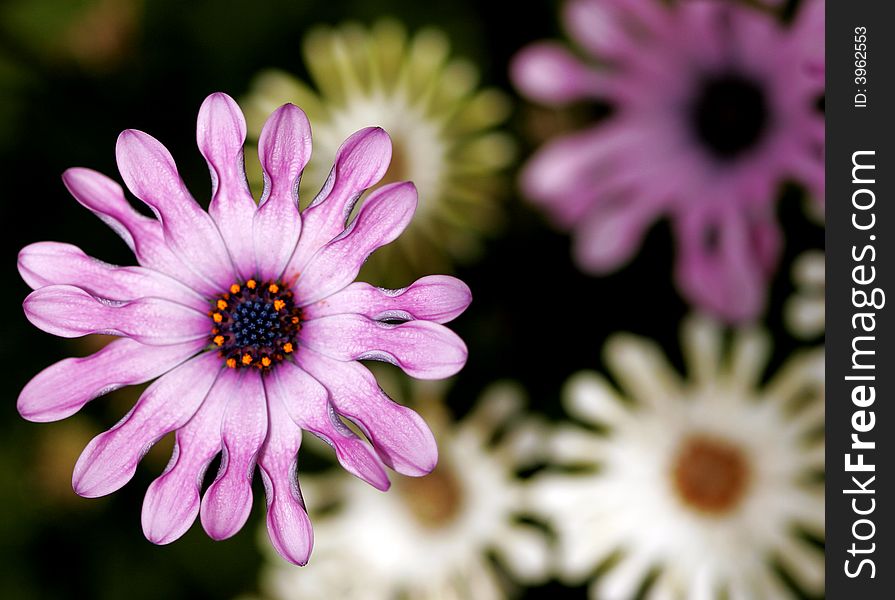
430 537
699 484
805 311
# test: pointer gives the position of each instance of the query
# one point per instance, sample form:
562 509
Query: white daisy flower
805 311
430 538
442 126
702 483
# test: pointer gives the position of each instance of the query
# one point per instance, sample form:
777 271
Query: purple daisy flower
715 104
248 316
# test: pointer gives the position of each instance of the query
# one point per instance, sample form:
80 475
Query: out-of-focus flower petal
612 234
63 388
809 28
399 435
307 403
228 501
381 219
284 150
52 263
548 73
288 525
611 29
68 311
151 175
360 163
437 298
110 459
717 268
422 349
172 501
220 135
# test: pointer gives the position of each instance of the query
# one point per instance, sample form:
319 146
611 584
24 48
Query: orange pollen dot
278 304
265 361
219 340
251 284
246 359
222 304
217 317
234 289
273 288
287 347
231 362
294 320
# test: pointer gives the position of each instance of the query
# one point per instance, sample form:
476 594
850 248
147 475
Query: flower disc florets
255 325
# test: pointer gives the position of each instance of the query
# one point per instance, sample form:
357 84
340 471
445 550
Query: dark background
535 318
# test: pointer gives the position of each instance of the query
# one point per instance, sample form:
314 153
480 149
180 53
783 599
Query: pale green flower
443 129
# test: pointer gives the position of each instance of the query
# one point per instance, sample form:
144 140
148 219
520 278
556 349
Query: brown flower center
710 475
435 499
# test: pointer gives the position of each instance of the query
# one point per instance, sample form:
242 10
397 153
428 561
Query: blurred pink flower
248 317
714 105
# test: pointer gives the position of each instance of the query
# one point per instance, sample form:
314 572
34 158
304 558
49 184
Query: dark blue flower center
255 324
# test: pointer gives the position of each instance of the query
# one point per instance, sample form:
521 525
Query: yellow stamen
246 359
219 340
287 347
265 361
278 304
273 288
217 317
222 304
231 362
234 289
251 284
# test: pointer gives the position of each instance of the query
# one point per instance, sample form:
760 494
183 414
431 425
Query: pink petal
725 278
381 219
308 404
172 501
68 311
105 198
287 521
612 234
228 501
568 173
62 389
151 175
51 263
422 349
808 31
284 149
547 72
767 242
110 459
437 298
220 134
612 29
360 163
400 436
